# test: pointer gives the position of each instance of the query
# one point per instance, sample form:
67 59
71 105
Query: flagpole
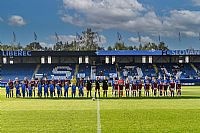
159 38
199 35
139 38
14 40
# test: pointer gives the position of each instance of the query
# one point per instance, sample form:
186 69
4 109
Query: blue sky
66 17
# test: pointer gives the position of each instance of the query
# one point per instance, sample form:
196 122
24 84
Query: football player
178 86
134 87
39 84
51 87
23 89
33 86
66 87
172 86
121 86
166 85
11 86
17 87
147 86
7 91
81 87
139 86
127 87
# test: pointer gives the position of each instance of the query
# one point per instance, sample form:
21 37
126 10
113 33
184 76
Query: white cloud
196 2
129 15
1 19
70 38
144 39
185 21
103 39
44 44
190 34
16 20
102 14
64 38
71 19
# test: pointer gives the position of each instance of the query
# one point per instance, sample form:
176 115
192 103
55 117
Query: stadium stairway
76 70
139 71
156 68
36 70
165 70
93 72
117 70
194 67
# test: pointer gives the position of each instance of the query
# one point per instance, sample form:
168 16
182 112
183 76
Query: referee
105 87
97 87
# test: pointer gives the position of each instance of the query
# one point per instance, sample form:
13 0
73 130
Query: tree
34 46
162 46
119 46
140 47
109 48
130 48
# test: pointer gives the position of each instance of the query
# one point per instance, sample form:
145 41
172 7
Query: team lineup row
120 87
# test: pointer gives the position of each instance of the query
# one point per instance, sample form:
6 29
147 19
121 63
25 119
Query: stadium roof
102 53
129 52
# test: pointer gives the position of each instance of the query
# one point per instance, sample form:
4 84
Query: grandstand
64 64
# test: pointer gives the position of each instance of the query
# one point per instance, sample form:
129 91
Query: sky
177 22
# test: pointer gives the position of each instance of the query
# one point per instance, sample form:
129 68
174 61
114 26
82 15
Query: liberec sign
19 53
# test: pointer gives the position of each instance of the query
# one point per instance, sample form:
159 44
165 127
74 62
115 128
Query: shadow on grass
114 98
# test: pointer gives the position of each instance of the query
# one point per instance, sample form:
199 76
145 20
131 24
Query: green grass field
126 115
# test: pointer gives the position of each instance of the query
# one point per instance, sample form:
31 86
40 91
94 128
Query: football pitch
124 115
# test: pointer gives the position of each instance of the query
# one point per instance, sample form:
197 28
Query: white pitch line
98 117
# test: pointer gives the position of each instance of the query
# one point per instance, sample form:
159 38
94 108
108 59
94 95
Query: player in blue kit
152 83
54 84
176 82
7 91
58 89
26 83
46 87
17 87
30 90
155 87
66 89
81 87
113 85
73 90
60 84
159 81
145 82
39 84
23 89
51 86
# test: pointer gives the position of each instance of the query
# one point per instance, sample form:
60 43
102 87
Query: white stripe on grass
98 117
